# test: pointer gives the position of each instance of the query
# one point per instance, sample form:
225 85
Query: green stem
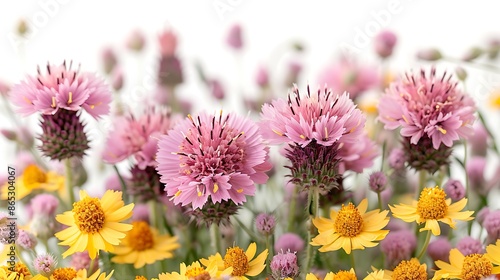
424 247
291 209
153 220
270 255
422 181
246 229
384 146
379 198
69 181
353 261
466 174
482 66
122 184
216 239
313 213
485 125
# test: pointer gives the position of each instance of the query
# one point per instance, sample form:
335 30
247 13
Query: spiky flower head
220 157
218 213
63 135
428 106
61 88
45 264
137 136
145 184
284 265
315 126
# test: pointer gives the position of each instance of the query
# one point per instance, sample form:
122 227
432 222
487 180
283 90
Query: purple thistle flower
265 223
454 189
384 43
137 136
439 249
397 246
428 105
469 245
45 204
217 157
45 264
492 225
289 242
377 181
284 265
26 240
61 87
397 159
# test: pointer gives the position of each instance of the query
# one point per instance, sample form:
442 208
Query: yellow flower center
235 257
140 237
89 215
33 176
344 275
64 274
475 267
348 222
409 270
197 273
19 270
140 277
432 204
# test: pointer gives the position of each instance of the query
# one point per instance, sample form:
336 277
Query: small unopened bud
454 189
117 79
265 223
461 73
4 88
262 77
9 134
493 48
109 60
22 27
234 38
384 43
377 181
472 54
136 41
216 89
430 55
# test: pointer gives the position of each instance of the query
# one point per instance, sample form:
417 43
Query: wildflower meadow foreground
370 173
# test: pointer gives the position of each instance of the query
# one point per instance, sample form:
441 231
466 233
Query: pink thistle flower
289 242
428 106
221 157
356 156
234 37
323 117
351 76
61 88
138 137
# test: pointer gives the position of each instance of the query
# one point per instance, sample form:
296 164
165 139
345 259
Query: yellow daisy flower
71 273
350 228
470 267
94 224
218 261
341 275
243 262
411 269
20 272
493 252
432 207
195 270
32 179
378 275
143 245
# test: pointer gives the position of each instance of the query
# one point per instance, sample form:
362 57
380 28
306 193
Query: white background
78 31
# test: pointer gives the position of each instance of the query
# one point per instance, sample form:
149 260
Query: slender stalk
466 174
270 255
69 181
424 247
313 213
353 261
379 198
153 220
422 181
216 239
122 184
291 209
